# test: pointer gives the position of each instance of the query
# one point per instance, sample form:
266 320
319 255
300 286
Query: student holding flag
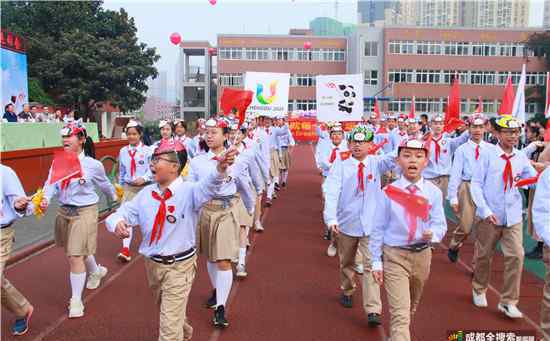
134 173
73 177
409 217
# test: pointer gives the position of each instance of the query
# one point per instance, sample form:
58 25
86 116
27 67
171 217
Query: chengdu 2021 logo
272 93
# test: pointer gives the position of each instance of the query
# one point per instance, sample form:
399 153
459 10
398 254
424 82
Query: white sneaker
358 268
76 308
331 251
479 300
241 271
258 227
510 310
94 279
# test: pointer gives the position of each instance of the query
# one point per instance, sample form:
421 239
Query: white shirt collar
81 156
406 183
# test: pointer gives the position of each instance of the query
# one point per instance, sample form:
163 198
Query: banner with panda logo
270 93
339 97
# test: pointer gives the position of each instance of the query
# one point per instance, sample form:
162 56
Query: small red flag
412 113
236 99
413 204
65 165
376 109
374 149
528 181
452 116
507 99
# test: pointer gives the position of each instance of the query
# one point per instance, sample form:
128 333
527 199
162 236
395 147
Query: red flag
376 109
479 109
547 109
452 116
528 181
236 99
382 130
413 204
411 113
65 165
507 99
374 149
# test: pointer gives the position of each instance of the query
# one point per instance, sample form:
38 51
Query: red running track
291 292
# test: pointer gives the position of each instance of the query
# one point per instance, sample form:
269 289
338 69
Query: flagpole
546 102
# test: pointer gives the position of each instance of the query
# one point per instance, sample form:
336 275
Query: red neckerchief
507 175
361 177
415 206
132 161
333 155
160 218
477 152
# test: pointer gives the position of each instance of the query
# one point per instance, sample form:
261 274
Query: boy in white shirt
350 189
409 217
499 205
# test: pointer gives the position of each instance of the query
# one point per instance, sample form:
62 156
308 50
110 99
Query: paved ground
291 293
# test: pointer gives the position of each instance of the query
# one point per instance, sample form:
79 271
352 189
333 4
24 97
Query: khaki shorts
285 159
77 232
218 235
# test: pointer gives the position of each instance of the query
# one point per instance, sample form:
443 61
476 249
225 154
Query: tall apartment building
446 13
546 17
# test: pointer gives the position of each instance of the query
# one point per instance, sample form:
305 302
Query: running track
291 292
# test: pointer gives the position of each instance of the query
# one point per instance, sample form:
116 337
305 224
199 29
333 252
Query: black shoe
219 319
346 301
283 184
277 188
374 319
453 255
211 303
327 235
536 253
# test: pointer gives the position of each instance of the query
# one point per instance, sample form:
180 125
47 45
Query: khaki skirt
245 219
274 164
285 159
218 235
76 230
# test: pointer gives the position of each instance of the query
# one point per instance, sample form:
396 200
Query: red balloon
307 45
212 2
211 51
175 38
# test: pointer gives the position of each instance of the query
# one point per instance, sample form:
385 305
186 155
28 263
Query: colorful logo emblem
272 90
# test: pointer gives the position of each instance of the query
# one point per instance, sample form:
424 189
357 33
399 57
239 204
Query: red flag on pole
65 166
452 116
236 99
376 109
507 104
411 113
479 109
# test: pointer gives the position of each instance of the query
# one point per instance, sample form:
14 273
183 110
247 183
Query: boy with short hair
500 205
409 217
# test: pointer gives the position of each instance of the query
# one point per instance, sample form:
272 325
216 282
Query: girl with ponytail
77 217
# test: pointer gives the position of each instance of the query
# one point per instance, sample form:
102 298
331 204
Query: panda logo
347 95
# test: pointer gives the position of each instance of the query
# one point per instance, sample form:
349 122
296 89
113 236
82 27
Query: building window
303 54
290 105
231 53
231 79
305 104
302 80
371 77
371 48
282 54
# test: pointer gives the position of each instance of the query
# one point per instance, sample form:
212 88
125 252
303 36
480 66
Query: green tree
83 54
37 94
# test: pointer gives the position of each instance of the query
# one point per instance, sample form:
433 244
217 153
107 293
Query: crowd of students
386 183
187 195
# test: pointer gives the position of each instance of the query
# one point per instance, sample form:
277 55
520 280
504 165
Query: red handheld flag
452 116
376 109
507 99
528 181
236 99
374 149
412 113
413 204
65 166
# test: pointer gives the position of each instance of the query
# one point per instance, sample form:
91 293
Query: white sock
276 179
242 256
127 241
271 190
224 280
91 264
77 284
285 176
212 271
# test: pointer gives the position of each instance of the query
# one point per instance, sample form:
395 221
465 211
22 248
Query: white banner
270 93
339 97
